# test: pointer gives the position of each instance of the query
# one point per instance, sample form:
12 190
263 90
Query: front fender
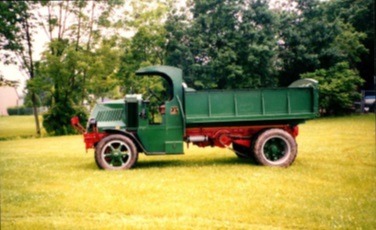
132 136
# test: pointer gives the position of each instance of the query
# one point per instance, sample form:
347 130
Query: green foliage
5 82
227 44
361 16
312 38
20 110
56 77
98 71
139 54
12 14
218 44
338 87
17 23
75 74
57 120
145 48
41 86
80 63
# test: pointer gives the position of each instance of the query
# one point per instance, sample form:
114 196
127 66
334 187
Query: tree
146 47
312 38
226 44
79 60
101 71
178 52
338 87
16 29
5 82
361 16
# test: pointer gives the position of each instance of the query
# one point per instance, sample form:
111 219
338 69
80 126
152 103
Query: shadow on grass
178 163
11 138
193 163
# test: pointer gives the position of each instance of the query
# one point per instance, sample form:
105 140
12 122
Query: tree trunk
35 111
30 67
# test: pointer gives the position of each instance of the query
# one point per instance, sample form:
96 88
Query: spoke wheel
275 147
116 152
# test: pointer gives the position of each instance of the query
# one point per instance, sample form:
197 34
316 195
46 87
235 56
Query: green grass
50 183
12 127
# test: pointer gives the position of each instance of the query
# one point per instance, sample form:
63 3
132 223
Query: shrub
57 120
338 88
19 110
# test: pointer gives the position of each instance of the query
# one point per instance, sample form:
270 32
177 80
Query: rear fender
293 130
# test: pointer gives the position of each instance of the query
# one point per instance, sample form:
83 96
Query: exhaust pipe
197 138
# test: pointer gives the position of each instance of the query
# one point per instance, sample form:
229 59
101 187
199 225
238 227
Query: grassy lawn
12 127
50 183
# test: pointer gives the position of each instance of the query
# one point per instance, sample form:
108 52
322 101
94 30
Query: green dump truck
256 123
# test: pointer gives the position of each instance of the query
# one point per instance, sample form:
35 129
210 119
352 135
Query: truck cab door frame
167 137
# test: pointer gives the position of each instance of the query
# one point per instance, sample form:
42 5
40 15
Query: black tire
242 152
116 152
275 147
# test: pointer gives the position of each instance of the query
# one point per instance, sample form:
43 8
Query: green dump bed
294 104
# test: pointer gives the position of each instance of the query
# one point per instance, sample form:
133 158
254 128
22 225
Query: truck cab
169 129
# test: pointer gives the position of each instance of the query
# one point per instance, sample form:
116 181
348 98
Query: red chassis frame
223 136
214 136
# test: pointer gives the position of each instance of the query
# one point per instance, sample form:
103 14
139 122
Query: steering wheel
152 93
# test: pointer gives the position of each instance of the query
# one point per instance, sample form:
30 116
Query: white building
8 98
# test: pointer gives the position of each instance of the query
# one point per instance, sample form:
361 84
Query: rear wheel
116 152
275 147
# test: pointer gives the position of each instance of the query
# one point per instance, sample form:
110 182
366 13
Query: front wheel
275 147
116 152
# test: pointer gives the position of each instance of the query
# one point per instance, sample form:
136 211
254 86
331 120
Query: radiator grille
110 115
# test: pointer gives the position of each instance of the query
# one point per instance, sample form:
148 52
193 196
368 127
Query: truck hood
109 115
